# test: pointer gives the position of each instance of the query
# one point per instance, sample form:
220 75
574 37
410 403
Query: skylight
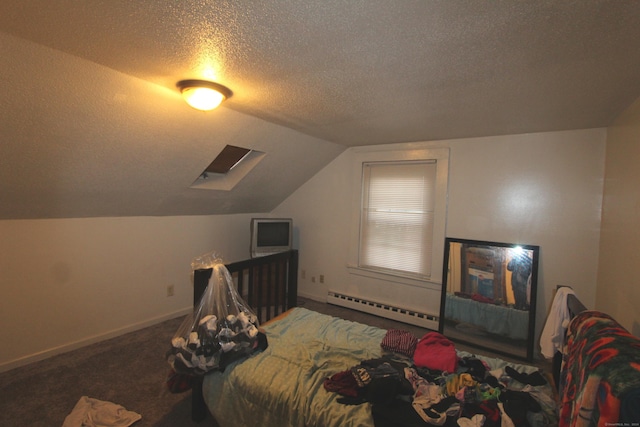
227 159
229 167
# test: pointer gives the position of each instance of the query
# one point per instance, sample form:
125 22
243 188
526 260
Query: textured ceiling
307 76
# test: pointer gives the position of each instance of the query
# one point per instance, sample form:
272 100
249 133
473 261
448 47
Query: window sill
396 278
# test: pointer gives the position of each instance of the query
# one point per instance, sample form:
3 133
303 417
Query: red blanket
601 366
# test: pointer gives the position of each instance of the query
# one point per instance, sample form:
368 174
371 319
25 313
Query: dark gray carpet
129 370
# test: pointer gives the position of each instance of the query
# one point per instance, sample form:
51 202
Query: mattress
284 385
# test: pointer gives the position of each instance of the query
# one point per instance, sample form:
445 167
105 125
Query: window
229 167
397 213
398 222
227 159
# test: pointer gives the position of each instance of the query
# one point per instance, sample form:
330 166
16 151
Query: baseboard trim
377 308
45 354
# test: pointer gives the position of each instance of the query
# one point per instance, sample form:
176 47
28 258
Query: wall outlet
303 273
321 278
170 290
313 279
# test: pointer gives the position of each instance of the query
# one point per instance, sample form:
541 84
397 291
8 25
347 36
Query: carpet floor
129 370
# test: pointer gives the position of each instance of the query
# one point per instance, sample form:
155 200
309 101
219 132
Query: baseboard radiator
411 317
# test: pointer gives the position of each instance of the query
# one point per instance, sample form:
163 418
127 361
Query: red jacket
435 351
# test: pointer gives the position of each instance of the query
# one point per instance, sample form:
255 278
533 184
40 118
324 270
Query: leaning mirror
489 295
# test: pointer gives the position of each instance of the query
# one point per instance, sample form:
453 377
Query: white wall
542 189
618 290
70 282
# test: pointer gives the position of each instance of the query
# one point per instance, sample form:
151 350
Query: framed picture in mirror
489 295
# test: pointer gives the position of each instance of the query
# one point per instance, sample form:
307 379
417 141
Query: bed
284 385
292 382
269 284
494 318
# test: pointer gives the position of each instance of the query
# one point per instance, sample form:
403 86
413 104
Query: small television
270 236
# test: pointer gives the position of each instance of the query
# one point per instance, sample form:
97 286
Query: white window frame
368 155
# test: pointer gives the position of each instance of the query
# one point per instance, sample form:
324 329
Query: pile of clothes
425 382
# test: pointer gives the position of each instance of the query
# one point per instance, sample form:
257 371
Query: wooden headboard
269 285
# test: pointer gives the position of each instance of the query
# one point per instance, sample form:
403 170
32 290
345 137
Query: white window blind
397 217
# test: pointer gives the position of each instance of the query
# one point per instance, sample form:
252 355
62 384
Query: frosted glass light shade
203 95
202 98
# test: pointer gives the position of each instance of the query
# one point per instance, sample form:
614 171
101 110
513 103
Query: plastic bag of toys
221 329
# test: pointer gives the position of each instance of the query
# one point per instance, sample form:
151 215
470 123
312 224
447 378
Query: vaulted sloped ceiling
91 123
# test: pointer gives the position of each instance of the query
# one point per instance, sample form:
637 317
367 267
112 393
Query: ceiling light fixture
202 94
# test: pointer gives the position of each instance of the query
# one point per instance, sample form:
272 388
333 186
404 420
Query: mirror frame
487 338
